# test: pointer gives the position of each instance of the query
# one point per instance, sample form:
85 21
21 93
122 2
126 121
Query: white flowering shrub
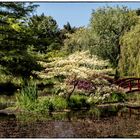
107 93
82 73
79 64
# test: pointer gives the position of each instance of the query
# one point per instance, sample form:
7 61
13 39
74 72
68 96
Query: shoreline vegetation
47 69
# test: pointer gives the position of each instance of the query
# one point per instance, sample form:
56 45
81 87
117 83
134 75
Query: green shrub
52 103
43 105
77 102
58 103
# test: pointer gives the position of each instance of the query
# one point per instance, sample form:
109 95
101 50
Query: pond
94 123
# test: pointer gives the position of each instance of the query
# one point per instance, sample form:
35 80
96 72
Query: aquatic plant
27 97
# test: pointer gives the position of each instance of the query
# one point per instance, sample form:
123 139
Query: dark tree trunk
68 95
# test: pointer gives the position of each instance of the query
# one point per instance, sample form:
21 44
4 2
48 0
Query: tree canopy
78 41
109 24
15 39
129 64
45 33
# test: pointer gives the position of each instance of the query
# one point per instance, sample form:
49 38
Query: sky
77 14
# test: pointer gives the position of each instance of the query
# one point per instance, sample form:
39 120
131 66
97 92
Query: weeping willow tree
129 64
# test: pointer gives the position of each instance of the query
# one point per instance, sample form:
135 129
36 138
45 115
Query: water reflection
94 123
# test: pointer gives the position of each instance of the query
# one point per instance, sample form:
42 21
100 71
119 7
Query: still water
83 124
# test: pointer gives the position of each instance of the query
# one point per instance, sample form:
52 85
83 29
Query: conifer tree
15 39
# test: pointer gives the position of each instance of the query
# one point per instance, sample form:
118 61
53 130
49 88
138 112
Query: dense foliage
55 69
45 32
14 40
78 41
109 24
78 73
129 64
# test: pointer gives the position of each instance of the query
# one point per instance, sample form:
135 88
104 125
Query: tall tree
15 39
45 33
129 64
67 29
108 25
